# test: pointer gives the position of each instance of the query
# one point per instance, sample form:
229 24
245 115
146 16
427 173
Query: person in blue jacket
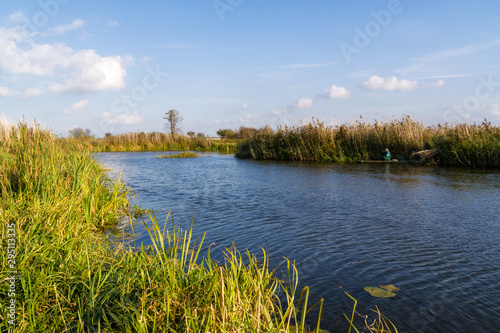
386 154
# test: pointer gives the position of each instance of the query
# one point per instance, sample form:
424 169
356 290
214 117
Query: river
434 232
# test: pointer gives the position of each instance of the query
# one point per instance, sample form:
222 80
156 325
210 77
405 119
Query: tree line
173 126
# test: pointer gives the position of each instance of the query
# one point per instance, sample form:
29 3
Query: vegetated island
64 275
459 145
185 154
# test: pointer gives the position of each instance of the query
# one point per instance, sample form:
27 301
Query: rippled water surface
433 232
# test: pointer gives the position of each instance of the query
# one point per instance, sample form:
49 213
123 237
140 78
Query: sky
118 66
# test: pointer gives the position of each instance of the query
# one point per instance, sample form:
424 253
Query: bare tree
174 120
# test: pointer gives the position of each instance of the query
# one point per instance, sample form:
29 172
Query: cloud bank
60 68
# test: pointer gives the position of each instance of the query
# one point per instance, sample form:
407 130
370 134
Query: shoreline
459 145
59 200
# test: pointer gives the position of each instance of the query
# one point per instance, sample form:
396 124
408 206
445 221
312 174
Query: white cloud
39 60
337 92
76 106
113 23
277 112
23 94
304 103
89 72
217 122
334 92
248 117
17 17
122 119
392 84
4 92
72 71
30 93
59 30
494 109
435 85
244 106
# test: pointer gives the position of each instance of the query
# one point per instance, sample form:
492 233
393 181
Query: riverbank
459 145
56 203
153 141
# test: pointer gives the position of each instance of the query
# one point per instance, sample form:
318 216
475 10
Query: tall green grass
70 278
468 145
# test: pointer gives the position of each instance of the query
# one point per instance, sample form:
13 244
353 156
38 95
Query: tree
247 132
174 120
191 134
225 133
80 133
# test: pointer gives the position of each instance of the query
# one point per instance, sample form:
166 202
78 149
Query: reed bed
156 141
70 278
464 145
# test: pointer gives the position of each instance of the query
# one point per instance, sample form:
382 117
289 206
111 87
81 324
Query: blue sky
118 66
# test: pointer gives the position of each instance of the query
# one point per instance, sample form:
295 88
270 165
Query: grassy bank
464 145
154 141
60 275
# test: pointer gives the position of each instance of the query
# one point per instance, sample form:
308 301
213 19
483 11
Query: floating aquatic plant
383 290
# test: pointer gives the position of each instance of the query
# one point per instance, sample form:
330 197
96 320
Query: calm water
433 232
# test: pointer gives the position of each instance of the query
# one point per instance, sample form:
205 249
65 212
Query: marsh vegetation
70 278
407 139
153 141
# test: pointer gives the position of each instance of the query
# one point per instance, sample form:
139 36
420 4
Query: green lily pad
379 292
390 287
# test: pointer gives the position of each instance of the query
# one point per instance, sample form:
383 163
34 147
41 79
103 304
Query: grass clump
467 145
186 154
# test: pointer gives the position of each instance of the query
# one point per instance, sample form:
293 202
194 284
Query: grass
70 278
380 324
459 145
186 154
155 141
